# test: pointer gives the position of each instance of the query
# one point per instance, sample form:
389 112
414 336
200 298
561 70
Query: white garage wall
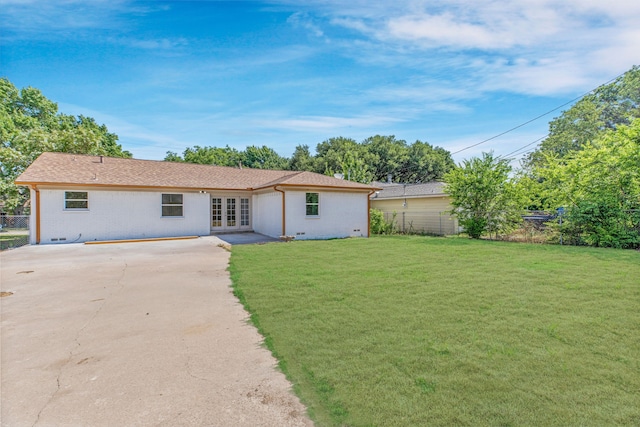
120 215
341 214
267 213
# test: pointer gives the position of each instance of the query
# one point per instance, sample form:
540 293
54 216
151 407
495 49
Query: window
244 212
231 212
172 205
216 212
76 200
312 204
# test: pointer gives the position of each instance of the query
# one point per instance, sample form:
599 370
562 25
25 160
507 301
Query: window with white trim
231 212
74 200
244 212
312 203
172 205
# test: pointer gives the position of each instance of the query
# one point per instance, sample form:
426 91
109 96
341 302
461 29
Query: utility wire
538 117
524 146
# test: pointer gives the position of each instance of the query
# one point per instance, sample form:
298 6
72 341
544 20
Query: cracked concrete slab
137 334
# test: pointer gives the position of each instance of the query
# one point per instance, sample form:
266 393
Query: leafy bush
602 224
379 225
474 226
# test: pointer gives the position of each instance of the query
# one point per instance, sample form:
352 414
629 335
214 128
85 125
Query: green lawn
409 330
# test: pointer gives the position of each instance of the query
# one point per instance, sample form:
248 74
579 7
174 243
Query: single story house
79 198
416 208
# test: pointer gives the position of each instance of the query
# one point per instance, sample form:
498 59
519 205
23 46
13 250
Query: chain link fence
14 231
426 222
599 226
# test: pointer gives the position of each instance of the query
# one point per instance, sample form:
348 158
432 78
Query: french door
230 213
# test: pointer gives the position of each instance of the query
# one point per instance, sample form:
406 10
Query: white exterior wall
116 215
267 213
341 214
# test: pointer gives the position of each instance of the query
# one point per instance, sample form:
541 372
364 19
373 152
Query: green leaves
484 197
30 125
608 107
601 186
371 160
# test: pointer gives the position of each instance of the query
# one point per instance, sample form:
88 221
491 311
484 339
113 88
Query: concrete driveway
133 334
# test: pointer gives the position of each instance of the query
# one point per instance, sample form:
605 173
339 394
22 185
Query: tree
172 156
302 160
30 125
225 156
608 107
347 157
263 158
391 155
484 197
425 163
600 186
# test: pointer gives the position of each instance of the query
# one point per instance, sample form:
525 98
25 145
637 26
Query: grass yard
410 330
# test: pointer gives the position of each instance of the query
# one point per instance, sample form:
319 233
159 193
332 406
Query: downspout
369 212
284 229
37 213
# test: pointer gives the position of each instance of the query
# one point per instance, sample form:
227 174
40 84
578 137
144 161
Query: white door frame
230 212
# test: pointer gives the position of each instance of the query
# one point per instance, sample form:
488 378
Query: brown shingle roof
74 169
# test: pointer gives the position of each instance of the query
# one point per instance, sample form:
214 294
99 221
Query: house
79 198
416 208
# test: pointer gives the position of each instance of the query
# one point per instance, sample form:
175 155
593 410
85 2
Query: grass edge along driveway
408 330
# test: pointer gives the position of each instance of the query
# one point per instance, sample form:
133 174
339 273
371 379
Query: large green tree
391 156
263 158
484 196
345 156
30 125
606 108
425 163
600 187
302 160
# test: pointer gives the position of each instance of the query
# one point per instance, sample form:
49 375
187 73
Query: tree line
373 159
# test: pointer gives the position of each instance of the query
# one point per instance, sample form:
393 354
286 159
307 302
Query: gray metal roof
397 191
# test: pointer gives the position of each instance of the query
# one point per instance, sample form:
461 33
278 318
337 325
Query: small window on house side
76 200
312 204
172 205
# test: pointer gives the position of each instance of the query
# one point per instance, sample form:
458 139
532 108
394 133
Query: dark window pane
312 209
76 204
312 197
172 199
172 211
75 195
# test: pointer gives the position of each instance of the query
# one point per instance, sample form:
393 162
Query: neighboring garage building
78 198
418 208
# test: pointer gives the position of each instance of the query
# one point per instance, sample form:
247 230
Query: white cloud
129 134
536 47
302 20
445 30
157 44
324 123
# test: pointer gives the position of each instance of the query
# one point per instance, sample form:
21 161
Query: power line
524 146
538 117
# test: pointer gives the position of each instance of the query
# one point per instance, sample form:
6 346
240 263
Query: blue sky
166 75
